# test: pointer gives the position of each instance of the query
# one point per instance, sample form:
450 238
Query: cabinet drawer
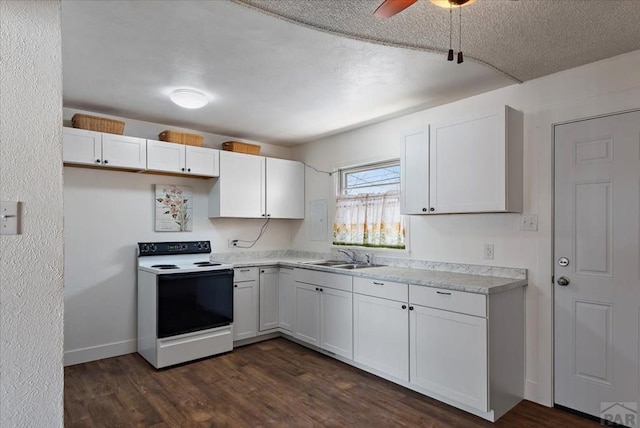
245 274
378 288
324 279
449 300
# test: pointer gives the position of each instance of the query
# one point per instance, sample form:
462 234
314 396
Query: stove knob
184 246
199 245
153 247
144 248
206 245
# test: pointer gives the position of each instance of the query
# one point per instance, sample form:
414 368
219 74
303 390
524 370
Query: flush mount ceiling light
189 98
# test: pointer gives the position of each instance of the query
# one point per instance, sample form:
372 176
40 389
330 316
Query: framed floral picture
174 208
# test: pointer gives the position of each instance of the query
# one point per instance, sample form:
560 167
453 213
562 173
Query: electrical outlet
232 243
488 252
529 222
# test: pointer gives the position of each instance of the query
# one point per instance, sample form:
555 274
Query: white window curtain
369 220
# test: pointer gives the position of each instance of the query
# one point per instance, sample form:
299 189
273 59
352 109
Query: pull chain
450 55
460 58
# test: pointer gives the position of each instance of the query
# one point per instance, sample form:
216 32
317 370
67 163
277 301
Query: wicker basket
181 138
95 123
237 146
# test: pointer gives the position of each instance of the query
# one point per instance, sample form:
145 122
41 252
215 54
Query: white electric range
185 303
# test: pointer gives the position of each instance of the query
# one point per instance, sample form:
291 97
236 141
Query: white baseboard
93 353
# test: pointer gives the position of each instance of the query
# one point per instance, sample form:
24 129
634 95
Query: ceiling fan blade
388 8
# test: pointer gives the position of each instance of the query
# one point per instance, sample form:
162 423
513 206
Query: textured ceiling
271 79
524 39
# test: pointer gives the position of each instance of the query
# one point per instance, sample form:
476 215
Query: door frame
553 236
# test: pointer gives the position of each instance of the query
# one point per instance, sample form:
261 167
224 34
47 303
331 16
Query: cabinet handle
317 289
262 271
378 283
97 160
105 162
432 209
443 293
245 270
424 210
410 308
404 306
182 169
235 285
188 169
322 290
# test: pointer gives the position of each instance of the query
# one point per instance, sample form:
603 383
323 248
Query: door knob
563 281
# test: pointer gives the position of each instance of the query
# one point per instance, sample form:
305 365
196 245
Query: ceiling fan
389 8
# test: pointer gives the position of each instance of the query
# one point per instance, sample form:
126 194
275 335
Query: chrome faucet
350 253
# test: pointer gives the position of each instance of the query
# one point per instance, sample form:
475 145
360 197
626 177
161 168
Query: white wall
106 214
600 88
31 285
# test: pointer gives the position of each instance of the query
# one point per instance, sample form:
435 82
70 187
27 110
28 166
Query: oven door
194 301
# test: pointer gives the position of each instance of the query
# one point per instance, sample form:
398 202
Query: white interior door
597 287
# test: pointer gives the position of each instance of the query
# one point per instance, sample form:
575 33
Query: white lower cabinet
324 311
245 303
286 299
381 335
269 316
336 320
307 315
448 355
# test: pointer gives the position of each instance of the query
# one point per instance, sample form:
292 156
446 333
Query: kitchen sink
355 266
340 264
325 262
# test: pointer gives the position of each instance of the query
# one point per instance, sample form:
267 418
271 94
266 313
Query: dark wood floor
273 383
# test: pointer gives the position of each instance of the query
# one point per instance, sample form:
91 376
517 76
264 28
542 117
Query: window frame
364 167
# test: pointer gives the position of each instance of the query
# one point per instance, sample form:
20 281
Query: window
368 207
377 178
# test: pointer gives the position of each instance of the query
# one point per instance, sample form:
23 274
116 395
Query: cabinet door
467 168
202 161
449 355
239 192
414 173
337 321
81 147
162 156
119 151
286 296
285 188
269 316
245 309
381 335
307 316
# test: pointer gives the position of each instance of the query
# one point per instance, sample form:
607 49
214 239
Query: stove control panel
168 248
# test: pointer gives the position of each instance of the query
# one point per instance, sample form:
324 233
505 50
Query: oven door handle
211 273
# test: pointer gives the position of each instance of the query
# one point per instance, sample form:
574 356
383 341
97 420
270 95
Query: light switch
8 218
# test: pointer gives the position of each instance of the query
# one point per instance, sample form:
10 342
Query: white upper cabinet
473 165
285 188
257 187
239 192
182 159
202 161
414 167
101 149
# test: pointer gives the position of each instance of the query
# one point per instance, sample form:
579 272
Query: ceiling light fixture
452 3
189 98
